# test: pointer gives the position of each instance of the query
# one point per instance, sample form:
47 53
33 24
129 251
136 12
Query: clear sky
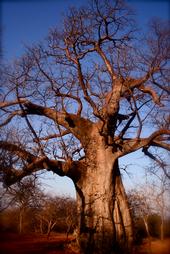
25 22
28 21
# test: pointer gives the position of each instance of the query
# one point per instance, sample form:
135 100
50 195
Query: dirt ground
36 244
33 244
156 247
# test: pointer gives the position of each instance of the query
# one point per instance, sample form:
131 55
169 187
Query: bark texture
105 223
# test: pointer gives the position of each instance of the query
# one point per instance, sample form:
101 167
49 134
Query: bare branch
11 116
129 84
62 95
157 135
59 135
160 162
12 175
112 99
33 163
163 87
85 91
11 103
150 155
107 62
149 90
18 150
161 144
131 145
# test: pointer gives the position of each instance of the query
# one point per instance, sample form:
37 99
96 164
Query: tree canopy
95 70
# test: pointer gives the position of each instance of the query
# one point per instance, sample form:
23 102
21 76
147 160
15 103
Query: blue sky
28 22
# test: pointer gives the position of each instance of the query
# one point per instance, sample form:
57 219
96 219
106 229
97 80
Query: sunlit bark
105 222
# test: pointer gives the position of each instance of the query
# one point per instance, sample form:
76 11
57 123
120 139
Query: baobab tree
80 101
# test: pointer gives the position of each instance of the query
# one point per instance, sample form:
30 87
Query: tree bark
50 226
162 228
21 214
145 220
41 226
105 224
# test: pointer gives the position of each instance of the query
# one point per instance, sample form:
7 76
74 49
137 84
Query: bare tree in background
82 100
160 194
141 206
58 213
148 199
24 196
159 189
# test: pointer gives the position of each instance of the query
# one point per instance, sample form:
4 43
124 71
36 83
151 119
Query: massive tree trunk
105 222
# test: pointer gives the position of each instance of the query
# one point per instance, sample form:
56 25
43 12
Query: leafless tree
148 199
24 196
57 213
71 216
83 99
49 214
158 194
141 206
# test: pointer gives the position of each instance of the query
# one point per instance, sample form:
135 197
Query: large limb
112 99
129 84
123 87
106 61
33 163
159 138
73 123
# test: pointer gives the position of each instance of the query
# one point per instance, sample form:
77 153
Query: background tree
50 214
141 209
57 214
159 189
36 212
150 202
83 99
23 197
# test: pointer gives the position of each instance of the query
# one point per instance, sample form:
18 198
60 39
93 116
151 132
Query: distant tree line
25 208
